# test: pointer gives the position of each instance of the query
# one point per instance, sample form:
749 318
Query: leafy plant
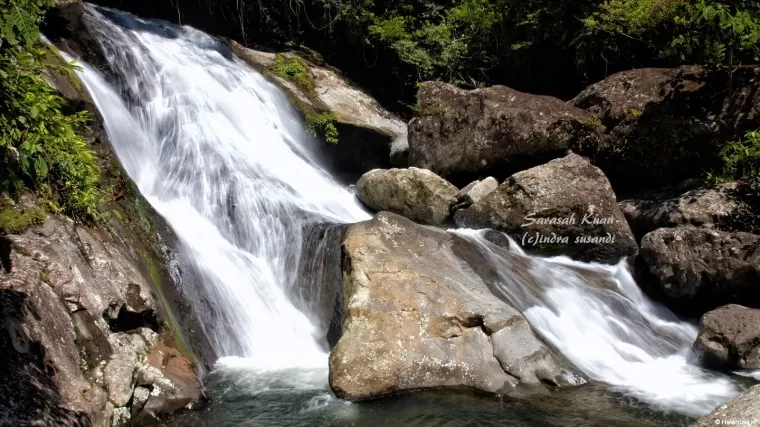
20 19
741 159
718 32
323 125
291 68
40 147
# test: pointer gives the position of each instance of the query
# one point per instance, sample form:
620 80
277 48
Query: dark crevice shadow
5 254
28 393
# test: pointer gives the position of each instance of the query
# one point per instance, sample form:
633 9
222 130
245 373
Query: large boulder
565 207
741 410
665 125
82 319
417 194
700 206
369 136
462 135
704 268
417 316
729 338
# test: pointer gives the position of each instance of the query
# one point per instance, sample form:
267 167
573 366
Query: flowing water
219 153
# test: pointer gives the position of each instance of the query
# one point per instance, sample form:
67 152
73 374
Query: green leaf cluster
323 125
291 68
20 19
741 160
40 145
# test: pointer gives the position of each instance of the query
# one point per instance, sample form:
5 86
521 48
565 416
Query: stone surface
463 134
417 316
474 192
63 288
417 194
702 206
704 267
666 125
741 410
729 338
568 199
369 136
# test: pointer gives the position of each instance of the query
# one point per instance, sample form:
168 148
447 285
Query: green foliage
19 20
291 68
718 32
741 160
39 144
15 220
318 123
633 17
323 125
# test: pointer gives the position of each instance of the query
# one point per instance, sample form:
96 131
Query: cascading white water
600 320
217 151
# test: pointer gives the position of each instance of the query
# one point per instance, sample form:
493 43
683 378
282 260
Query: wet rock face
417 194
704 267
64 285
462 135
418 317
666 125
729 338
564 207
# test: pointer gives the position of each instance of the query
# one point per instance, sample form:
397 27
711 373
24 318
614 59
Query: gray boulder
702 206
703 266
742 410
463 134
729 338
417 316
417 194
565 207
665 125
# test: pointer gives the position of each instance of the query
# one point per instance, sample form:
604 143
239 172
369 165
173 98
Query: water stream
220 154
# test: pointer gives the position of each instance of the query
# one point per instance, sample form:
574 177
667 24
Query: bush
39 144
323 125
741 160
291 68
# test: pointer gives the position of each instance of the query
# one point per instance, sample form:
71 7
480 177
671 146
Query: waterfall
219 153
597 316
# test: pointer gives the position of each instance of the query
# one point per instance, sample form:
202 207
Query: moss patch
14 220
292 69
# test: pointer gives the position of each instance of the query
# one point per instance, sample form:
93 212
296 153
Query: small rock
479 190
417 194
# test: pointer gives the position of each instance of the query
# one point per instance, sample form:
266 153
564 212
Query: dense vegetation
741 160
40 147
540 46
